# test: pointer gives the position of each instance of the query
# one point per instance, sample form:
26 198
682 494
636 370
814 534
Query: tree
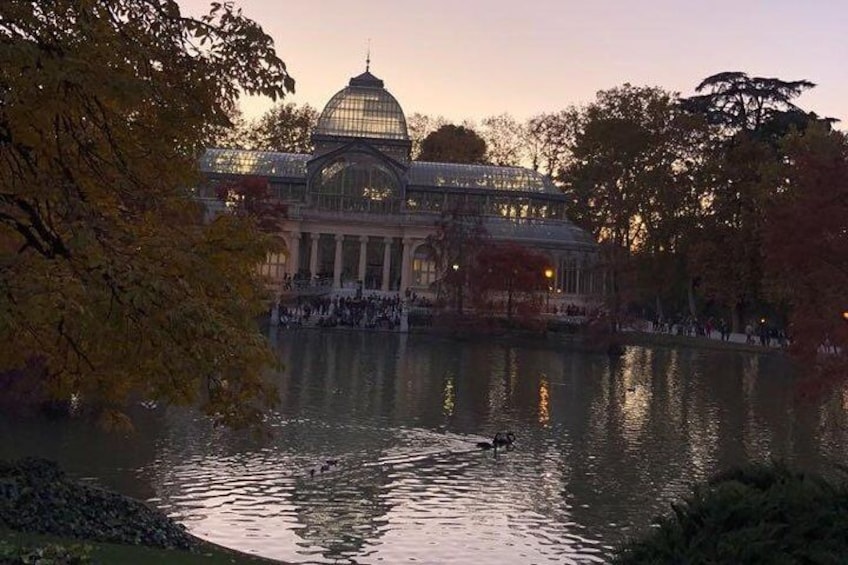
505 140
631 181
751 116
460 236
512 270
113 285
549 138
286 127
738 102
420 126
453 144
251 197
805 247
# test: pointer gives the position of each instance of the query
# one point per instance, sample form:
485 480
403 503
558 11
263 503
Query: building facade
360 211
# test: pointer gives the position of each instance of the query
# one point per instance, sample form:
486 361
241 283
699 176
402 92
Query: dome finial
368 57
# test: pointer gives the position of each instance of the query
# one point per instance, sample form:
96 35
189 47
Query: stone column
337 262
363 255
387 262
293 260
313 256
577 281
405 271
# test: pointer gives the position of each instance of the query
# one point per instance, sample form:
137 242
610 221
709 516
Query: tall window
424 267
568 282
356 183
274 268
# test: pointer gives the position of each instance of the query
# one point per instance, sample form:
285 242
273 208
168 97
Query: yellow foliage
109 279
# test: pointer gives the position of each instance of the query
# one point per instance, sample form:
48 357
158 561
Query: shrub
758 514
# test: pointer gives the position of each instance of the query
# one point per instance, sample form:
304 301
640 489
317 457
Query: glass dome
363 109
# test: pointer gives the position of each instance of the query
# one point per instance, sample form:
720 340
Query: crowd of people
360 311
363 310
755 333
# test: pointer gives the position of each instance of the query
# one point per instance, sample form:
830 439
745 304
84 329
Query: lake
603 445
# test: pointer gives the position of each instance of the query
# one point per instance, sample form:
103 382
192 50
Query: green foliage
632 180
47 554
285 127
113 286
756 514
751 115
453 144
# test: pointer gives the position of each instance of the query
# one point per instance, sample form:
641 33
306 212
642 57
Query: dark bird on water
504 439
501 439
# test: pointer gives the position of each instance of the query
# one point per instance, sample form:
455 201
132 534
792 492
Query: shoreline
574 337
45 512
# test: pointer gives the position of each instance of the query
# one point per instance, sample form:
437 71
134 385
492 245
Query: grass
110 553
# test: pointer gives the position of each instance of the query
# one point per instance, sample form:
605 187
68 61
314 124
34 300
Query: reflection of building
361 210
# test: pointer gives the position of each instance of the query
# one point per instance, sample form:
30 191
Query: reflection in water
603 446
449 399
544 403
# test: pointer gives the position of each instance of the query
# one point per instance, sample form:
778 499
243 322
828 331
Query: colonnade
294 261
570 277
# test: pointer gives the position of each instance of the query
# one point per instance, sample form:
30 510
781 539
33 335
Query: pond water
602 447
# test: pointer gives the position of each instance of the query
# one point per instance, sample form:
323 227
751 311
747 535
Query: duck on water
501 439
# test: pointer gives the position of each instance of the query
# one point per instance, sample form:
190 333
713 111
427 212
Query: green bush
758 514
48 554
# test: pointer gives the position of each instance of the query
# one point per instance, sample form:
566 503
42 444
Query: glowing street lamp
845 315
460 288
549 274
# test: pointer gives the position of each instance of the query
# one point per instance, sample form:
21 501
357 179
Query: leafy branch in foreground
111 284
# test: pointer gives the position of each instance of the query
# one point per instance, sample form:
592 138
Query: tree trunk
737 314
693 310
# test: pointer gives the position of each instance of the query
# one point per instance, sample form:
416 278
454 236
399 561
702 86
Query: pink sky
473 58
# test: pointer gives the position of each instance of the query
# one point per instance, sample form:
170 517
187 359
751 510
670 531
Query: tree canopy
453 144
113 285
805 243
739 102
286 127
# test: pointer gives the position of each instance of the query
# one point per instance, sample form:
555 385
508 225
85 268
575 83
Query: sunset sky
473 58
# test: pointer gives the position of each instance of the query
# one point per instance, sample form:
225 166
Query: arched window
424 267
356 183
274 268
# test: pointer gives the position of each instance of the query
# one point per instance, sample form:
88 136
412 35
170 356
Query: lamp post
549 274
460 284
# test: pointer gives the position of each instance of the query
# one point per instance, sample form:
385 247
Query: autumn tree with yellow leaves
112 287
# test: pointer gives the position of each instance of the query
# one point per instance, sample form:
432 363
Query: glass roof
363 109
558 231
490 177
259 163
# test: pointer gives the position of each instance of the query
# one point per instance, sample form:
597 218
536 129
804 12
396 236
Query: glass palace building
361 211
